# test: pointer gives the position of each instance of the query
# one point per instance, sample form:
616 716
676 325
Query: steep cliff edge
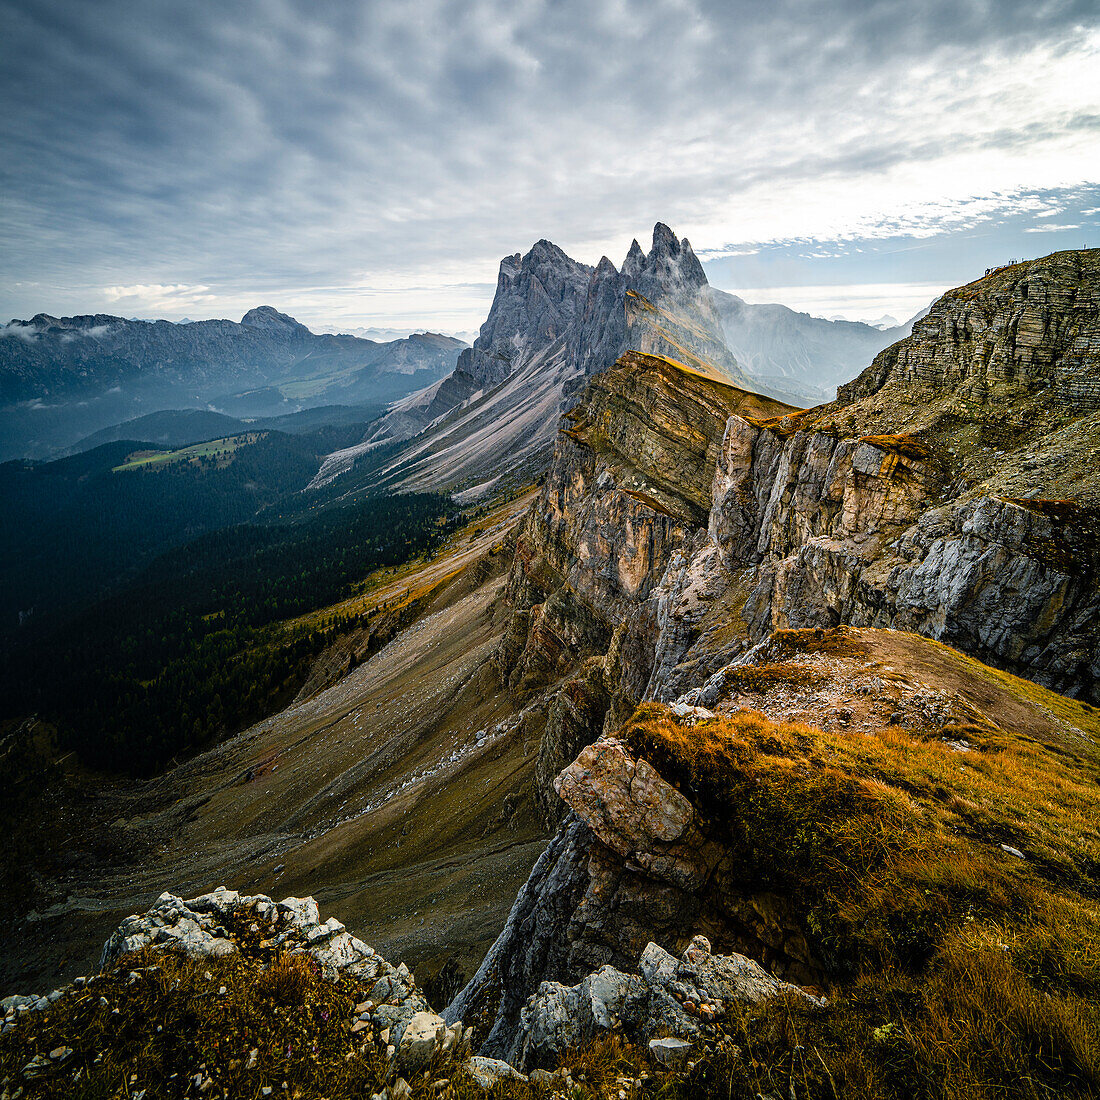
866 812
691 519
627 496
1025 329
683 522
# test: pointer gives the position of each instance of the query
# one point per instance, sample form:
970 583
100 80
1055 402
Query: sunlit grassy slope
215 448
935 826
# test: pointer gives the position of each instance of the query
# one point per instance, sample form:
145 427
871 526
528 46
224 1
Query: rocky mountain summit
537 299
268 319
659 302
553 323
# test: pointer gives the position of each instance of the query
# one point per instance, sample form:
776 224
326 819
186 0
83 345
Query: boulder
559 1018
488 1072
670 1053
421 1039
629 806
669 1003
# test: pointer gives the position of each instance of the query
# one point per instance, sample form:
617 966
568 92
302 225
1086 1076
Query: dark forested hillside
188 651
76 526
180 427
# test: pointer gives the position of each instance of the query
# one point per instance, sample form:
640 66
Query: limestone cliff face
683 521
628 491
1026 328
859 532
690 519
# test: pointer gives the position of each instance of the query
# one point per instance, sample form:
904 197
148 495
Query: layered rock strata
1025 328
683 521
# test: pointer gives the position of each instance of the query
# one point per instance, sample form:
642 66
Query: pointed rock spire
635 260
665 242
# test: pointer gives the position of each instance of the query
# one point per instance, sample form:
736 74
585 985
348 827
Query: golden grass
290 980
760 678
889 847
786 425
905 445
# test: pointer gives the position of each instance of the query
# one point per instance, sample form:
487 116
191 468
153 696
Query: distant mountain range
384 334
806 356
73 382
63 378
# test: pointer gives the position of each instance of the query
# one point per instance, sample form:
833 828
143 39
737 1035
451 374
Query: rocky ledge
390 1013
672 1006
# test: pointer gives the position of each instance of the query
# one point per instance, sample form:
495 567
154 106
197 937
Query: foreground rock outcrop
667 1004
284 948
288 947
808 808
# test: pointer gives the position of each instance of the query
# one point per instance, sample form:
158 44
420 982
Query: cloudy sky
368 163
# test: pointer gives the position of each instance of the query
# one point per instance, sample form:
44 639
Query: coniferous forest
186 649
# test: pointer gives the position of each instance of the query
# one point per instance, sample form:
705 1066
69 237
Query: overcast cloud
370 162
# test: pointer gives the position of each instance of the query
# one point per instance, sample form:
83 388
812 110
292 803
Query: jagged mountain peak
672 257
546 252
509 266
538 295
664 238
553 321
635 259
677 319
269 319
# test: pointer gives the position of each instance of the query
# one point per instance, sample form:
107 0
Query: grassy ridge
215 448
952 897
